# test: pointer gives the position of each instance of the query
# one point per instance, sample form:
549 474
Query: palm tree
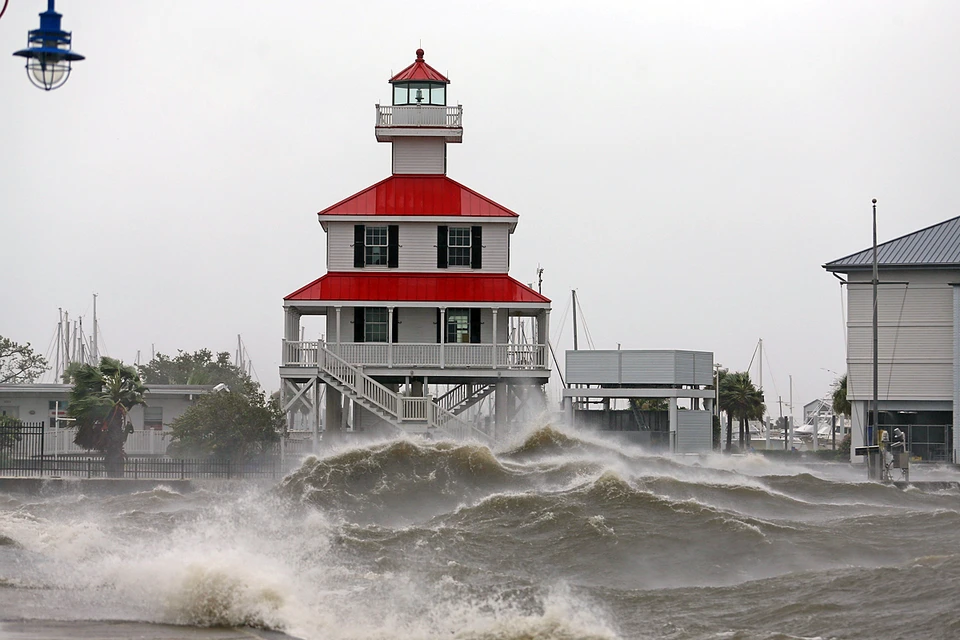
740 399
100 401
841 406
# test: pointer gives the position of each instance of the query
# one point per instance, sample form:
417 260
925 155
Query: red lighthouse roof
419 70
421 195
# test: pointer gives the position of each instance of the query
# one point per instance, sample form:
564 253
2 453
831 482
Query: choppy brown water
560 536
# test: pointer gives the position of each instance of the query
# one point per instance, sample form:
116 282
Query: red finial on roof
419 70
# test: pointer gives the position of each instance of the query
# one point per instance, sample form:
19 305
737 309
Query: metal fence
23 453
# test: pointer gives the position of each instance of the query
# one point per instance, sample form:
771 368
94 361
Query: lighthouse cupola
419 84
418 122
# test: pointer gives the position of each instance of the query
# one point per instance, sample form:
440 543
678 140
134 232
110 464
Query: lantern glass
47 73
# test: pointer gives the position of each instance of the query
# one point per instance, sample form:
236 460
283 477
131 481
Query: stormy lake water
558 536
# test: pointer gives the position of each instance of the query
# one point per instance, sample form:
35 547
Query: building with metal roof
935 247
918 339
423 322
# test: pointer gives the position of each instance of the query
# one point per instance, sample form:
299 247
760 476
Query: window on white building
458 246
375 324
375 246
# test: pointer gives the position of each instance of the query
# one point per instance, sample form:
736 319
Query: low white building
40 403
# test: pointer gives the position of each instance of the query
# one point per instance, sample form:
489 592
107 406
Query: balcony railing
419 116
414 355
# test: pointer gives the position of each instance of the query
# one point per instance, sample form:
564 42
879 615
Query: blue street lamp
48 52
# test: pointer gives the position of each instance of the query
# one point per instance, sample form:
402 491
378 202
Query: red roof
427 195
419 70
417 287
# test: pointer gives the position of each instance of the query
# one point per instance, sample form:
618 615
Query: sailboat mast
96 352
574 292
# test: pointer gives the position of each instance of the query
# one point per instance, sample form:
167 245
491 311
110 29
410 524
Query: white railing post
443 335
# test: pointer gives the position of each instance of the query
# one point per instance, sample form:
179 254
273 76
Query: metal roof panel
417 287
418 195
934 246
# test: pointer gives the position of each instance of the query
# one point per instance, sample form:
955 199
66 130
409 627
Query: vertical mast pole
574 292
96 352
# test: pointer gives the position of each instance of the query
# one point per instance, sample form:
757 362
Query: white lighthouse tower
423 321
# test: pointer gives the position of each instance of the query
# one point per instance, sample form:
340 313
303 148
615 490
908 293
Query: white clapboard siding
907 382
914 344
418 325
419 155
418 248
897 304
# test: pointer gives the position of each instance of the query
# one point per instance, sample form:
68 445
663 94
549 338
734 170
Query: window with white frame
375 246
458 246
375 324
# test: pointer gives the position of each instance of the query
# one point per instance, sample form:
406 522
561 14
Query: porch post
674 418
544 339
494 360
338 330
390 337
443 337
955 453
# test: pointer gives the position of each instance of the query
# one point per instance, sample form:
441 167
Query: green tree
199 367
227 425
841 406
100 401
19 363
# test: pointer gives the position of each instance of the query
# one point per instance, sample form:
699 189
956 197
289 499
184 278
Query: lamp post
48 53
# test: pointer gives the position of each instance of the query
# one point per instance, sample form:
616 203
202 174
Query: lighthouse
425 330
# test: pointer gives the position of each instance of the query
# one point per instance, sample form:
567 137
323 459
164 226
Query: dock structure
423 323
663 399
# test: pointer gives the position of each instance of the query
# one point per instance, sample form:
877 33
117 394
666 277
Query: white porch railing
419 116
413 355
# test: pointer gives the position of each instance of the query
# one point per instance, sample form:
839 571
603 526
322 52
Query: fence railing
417 355
419 116
139 468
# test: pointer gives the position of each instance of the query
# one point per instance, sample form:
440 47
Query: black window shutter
439 328
476 247
358 317
442 247
475 323
396 323
359 239
393 246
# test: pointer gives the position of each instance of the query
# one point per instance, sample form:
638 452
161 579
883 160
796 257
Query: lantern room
419 84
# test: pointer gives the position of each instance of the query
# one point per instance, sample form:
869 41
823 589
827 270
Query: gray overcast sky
687 166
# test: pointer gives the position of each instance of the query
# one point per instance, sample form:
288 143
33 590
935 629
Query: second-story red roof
418 195
418 287
419 70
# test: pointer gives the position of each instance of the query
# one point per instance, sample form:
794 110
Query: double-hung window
458 325
458 246
375 324
375 246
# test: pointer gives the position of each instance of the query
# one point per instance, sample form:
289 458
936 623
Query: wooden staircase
412 415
